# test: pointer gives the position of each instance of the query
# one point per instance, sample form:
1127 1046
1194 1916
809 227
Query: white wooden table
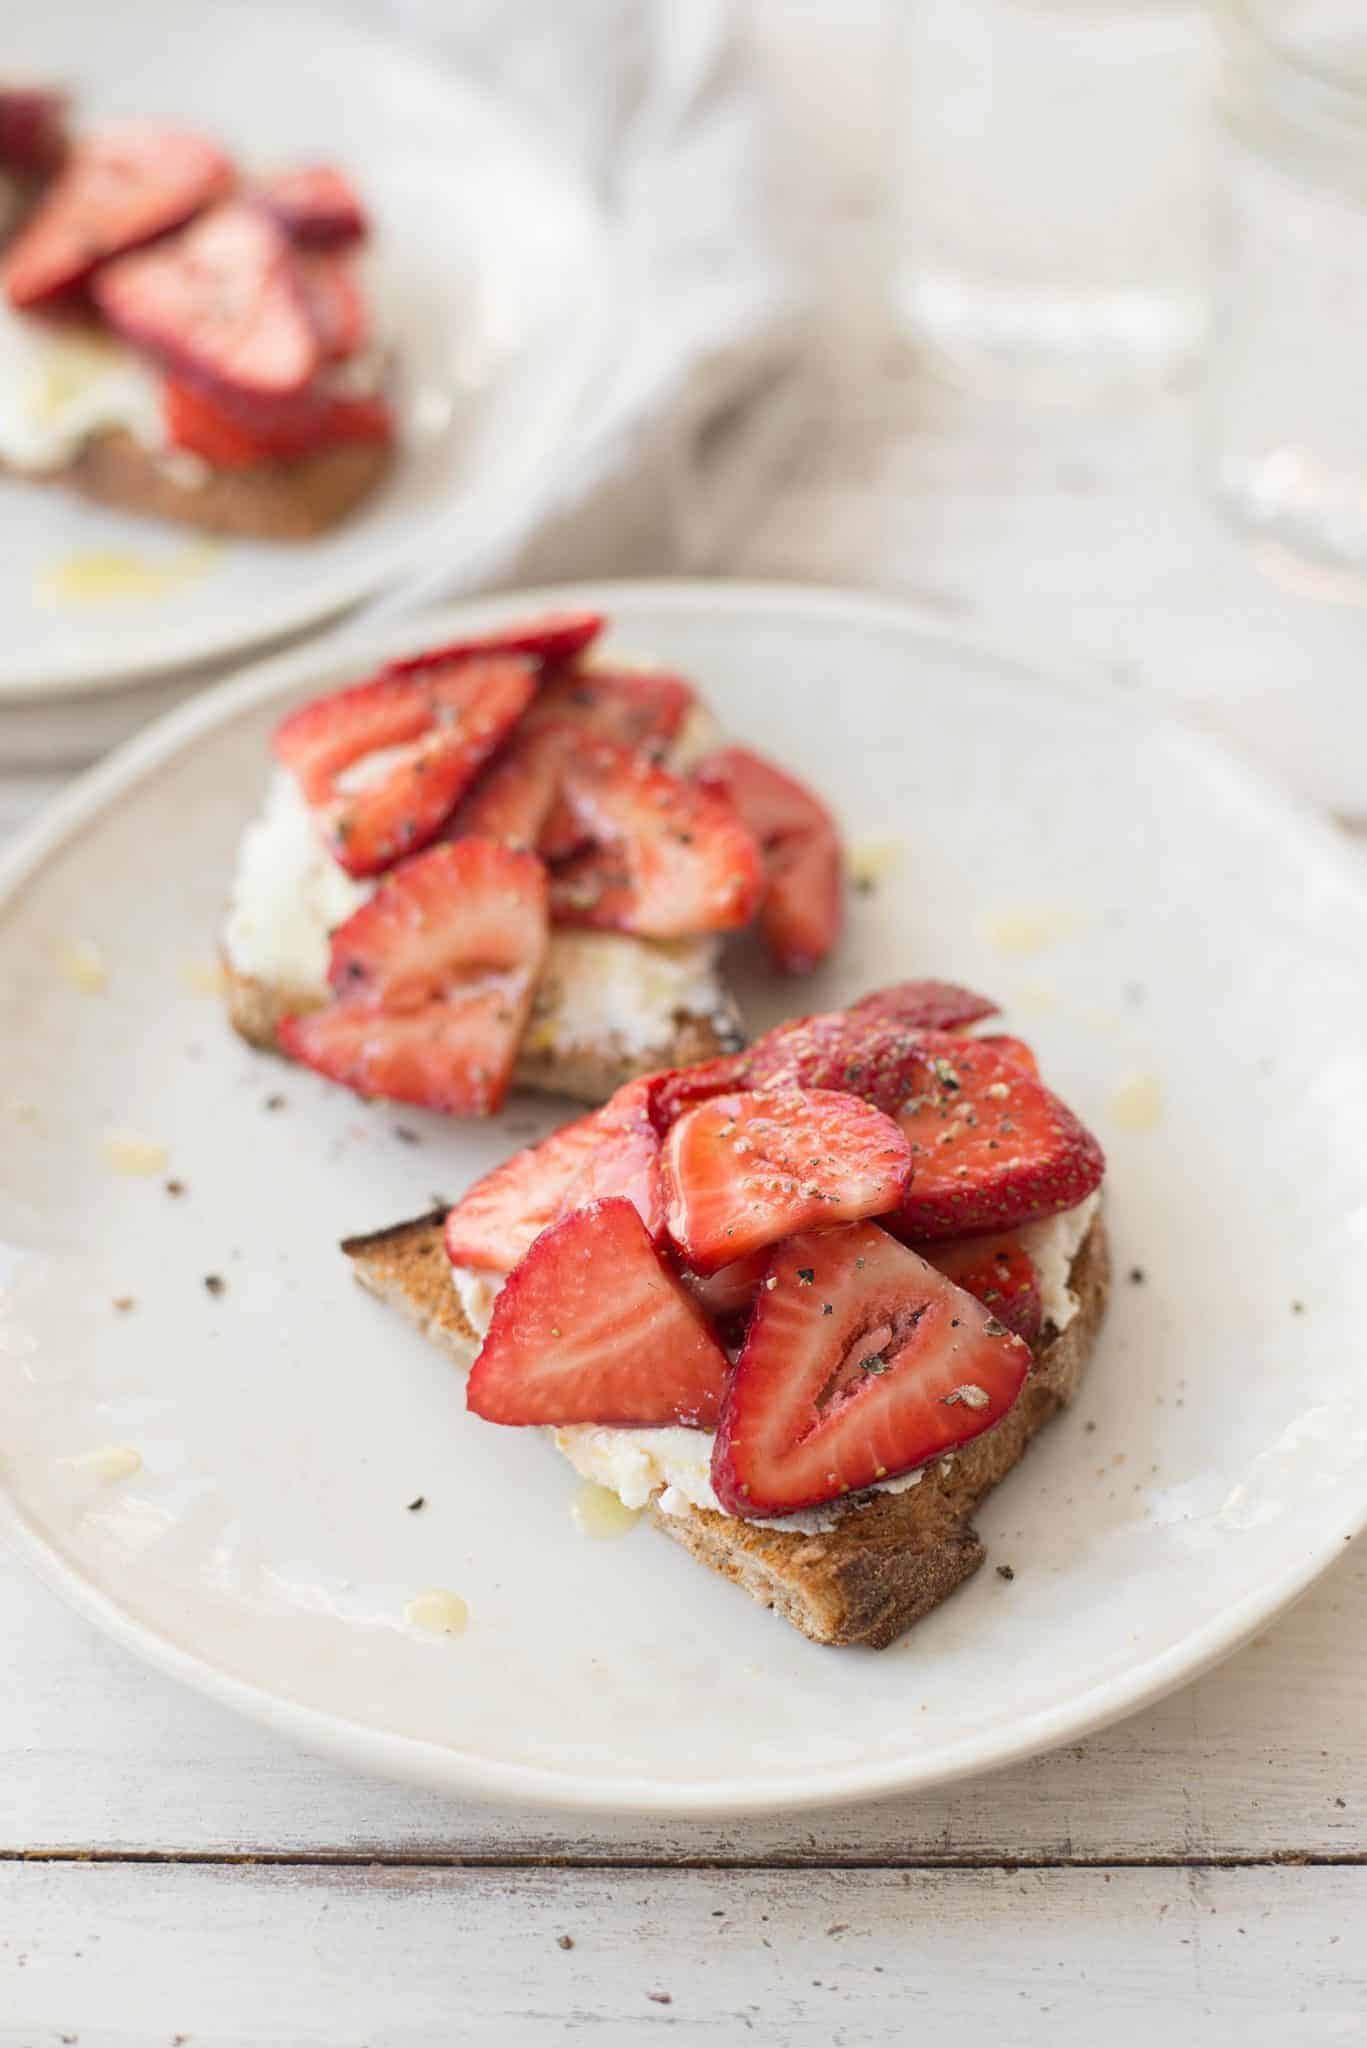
168 1873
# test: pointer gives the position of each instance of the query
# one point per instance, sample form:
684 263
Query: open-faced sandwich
808 1302
178 339
513 858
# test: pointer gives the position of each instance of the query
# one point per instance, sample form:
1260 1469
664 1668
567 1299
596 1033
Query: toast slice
890 1557
293 500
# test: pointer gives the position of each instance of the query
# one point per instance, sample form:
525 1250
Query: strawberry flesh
32 129
320 420
926 1005
667 859
433 980
317 206
998 1272
861 1362
335 304
641 708
743 1170
804 867
515 797
551 639
992 1148
593 1327
1012 1049
220 303
384 764
117 189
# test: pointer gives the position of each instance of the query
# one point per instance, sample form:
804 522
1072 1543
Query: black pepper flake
659 1998
175 1187
1136 1276
1298 1308
215 1283
1090 1428
827 1309
419 1501
1004 1571
806 1274
275 1102
992 1328
564 1941
406 1136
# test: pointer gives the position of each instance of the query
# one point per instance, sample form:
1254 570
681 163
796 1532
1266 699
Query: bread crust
294 500
588 1073
894 1556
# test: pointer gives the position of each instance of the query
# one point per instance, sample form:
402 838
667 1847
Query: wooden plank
115 1955
1266 1756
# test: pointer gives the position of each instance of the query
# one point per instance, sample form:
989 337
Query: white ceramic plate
487 267
1186 951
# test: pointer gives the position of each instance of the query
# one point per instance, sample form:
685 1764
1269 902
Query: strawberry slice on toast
317 206
804 868
861 1363
926 1005
998 1272
432 980
320 420
594 1327
384 763
117 189
553 638
335 303
744 1170
640 708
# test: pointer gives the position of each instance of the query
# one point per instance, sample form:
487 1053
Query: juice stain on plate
130 1152
439 1612
204 977
110 576
1029 931
597 1511
110 1462
872 861
82 964
1137 1104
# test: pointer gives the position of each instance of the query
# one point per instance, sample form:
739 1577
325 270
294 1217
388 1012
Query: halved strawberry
593 1327
804 867
517 793
385 763
861 1362
317 206
433 980
744 1170
667 859
998 1272
1012 1049
991 1147
32 129
550 639
335 304
195 422
117 189
643 708
219 302
926 1005
861 1052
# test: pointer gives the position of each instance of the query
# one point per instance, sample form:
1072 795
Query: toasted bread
294 500
891 1557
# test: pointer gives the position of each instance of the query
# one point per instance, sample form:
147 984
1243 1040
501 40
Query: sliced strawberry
335 304
593 1327
872 1056
1012 1049
667 859
926 1005
861 1362
384 763
219 302
117 189
613 1151
676 1089
744 1170
991 1147
642 708
317 206
433 980
518 792
998 1272
196 423
551 639
728 1294
32 129
804 867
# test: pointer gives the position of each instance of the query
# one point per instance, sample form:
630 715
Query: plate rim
24 684
454 1771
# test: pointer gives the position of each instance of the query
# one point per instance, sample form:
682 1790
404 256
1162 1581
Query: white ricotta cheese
60 386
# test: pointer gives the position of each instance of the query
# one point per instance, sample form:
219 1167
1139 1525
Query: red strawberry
517 793
614 1151
316 206
117 189
998 1272
1012 1049
859 1051
551 639
195 422
642 708
386 762
926 1005
593 1327
667 859
219 303
433 980
861 1362
744 1170
804 867
991 1147
676 1089
335 304
32 129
